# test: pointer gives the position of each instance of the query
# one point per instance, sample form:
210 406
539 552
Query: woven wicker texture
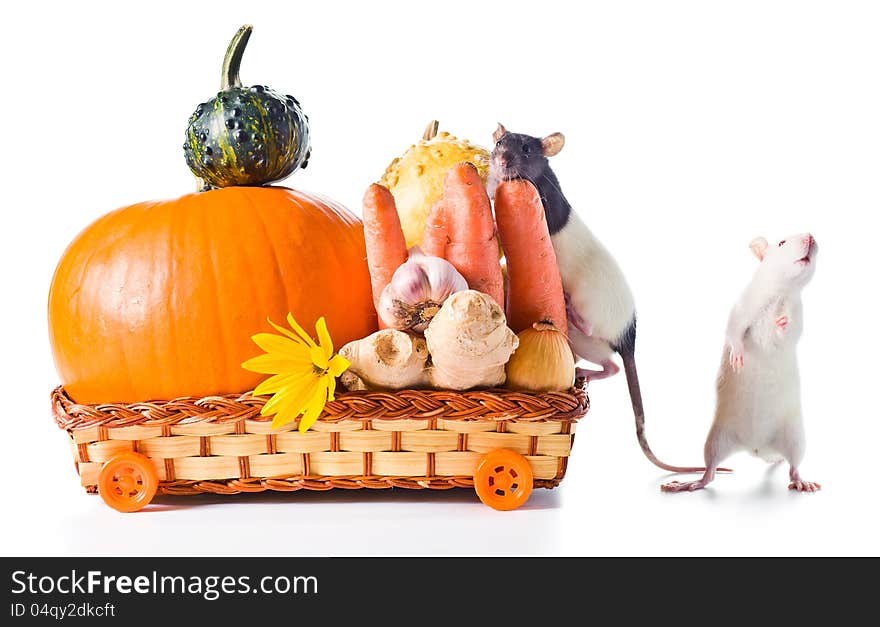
409 439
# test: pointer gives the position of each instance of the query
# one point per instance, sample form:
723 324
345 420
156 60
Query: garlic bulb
417 290
543 362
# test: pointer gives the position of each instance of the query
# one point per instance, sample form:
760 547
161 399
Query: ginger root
388 359
469 342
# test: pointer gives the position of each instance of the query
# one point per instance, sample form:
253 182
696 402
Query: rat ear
759 247
499 132
553 144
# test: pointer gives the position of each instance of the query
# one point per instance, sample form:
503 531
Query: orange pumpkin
160 299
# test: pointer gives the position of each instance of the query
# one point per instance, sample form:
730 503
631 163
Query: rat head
792 260
518 156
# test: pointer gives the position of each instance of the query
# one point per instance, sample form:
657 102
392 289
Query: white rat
601 308
759 406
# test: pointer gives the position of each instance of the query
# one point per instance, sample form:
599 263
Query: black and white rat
758 408
601 308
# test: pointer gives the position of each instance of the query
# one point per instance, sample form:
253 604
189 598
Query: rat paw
682 486
804 486
575 319
609 369
781 324
737 358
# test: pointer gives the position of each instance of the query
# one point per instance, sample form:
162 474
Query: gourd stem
431 130
232 60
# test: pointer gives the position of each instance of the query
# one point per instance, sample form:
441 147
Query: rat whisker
555 185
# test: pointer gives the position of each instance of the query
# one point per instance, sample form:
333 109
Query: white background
691 127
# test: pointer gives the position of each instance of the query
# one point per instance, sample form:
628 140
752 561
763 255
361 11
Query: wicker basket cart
500 442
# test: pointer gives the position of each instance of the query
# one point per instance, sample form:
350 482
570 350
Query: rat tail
627 350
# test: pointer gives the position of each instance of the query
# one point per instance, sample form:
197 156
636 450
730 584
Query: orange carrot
535 288
386 246
472 247
435 238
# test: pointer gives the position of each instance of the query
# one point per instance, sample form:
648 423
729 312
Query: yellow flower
304 372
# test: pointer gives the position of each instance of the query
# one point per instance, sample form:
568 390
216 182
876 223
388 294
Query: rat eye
498 144
526 149
782 242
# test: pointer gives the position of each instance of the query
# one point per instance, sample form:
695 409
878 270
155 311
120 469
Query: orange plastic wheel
503 480
128 482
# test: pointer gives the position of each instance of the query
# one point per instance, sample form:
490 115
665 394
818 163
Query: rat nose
502 162
808 239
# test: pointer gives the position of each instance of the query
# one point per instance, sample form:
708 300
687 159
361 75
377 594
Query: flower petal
338 365
319 358
277 403
275 364
272 343
279 382
282 418
299 330
291 405
331 388
324 339
295 396
286 332
313 408
296 400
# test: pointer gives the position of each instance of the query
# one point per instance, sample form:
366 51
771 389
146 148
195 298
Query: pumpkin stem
232 60
431 130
